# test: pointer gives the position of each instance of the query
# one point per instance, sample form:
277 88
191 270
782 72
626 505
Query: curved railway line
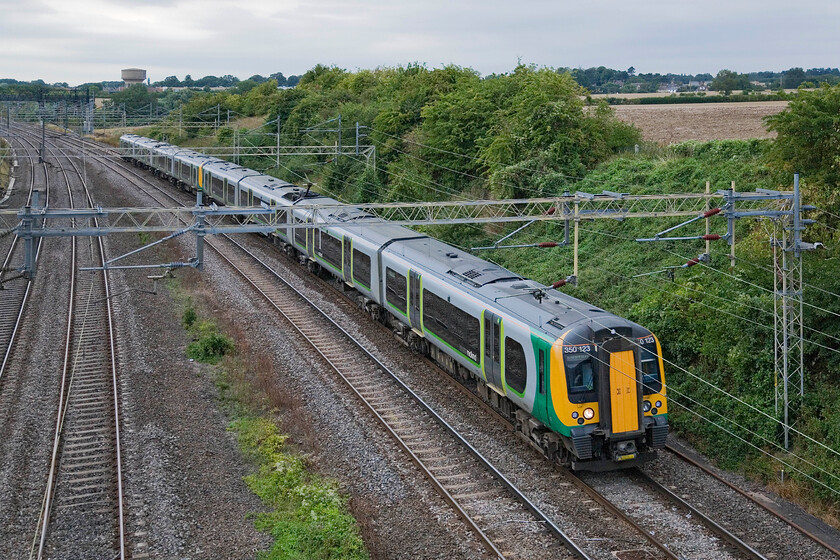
15 290
84 478
490 505
486 503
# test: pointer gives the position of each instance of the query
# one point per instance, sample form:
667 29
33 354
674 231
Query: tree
631 71
808 138
281 79
135 97
170 81
725 81
228 80
793 77
244 86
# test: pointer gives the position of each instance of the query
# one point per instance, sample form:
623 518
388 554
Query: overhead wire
727 393
741 401
574 178
668 394
707 267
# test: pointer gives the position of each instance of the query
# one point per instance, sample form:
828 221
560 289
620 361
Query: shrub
210 348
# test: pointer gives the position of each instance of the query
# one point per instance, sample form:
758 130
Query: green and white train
582 384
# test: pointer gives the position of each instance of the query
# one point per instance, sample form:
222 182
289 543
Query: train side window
453 325
331 249
516 366
541 372
300 235
217 187
651 378
396 290
361 268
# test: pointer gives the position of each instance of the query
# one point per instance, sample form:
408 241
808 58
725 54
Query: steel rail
324 316
548 524
46 506
809 534
114 381
712 525
7 353
750 551
41 534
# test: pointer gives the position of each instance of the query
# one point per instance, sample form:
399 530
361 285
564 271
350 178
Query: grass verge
5 165
307 515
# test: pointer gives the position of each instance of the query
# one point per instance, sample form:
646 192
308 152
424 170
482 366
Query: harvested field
669 124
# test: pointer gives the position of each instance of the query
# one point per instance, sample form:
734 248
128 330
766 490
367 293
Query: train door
414 302
346 256
543 360
623 386
493 349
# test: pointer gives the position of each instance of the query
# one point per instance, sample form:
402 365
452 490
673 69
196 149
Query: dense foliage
715 322
448 133
809 139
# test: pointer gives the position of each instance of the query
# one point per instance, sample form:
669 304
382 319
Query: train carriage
582 384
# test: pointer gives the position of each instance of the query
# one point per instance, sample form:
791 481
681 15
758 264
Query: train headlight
646 406
654 411
574 415
588 413
658 404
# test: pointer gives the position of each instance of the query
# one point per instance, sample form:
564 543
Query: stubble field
669 124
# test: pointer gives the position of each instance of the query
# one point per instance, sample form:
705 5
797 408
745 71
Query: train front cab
610 398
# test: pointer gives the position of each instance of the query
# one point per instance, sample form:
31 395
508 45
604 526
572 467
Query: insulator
558 284
692 262
548 244
550 211
711 237
711 212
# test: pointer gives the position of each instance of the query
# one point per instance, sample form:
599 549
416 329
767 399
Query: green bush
189 317
210 348
309 516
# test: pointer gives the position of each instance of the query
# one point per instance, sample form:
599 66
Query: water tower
133 76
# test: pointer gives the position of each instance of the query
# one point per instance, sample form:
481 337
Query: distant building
131 76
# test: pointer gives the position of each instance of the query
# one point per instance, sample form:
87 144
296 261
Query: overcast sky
79 41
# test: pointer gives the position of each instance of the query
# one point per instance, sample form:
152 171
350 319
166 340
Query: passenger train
583 385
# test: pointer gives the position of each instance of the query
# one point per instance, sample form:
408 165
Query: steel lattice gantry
37 221
783 208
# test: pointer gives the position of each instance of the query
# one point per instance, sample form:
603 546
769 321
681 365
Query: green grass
307 515
209 345
309 518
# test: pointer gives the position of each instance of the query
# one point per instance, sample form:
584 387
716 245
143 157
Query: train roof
538 305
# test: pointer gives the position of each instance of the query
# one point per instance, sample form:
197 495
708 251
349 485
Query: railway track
504 519
82 509
437 456
806 527
15 289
